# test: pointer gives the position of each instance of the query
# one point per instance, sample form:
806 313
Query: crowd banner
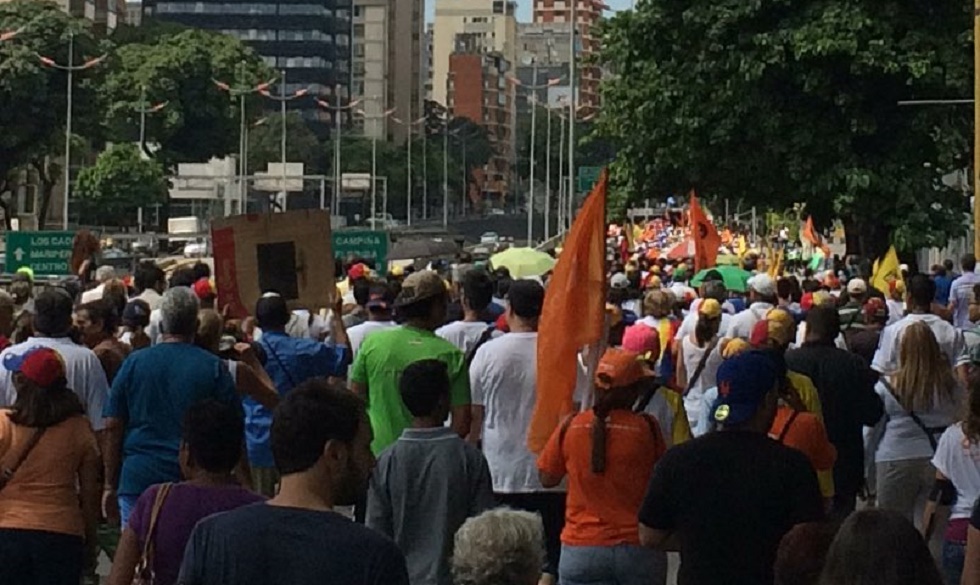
706 238
886 270
287 253
573 315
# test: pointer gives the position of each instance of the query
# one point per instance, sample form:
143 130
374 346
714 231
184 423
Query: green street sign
46 253
587 178
367 244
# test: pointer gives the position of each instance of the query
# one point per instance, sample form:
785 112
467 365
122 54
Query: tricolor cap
743 383
41 365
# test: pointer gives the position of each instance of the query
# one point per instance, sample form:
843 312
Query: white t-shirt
903 438
960 293
741 324
358 333
83 369
801 337
463 334
692 355
959 460
503 378
151 298
896 310
690 322
950 341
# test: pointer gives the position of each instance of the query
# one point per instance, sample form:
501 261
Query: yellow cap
710 308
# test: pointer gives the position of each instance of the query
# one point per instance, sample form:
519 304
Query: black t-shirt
263 544
730 496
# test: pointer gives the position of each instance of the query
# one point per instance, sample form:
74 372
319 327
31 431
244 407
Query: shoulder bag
701 364
144 574
7 473
931 432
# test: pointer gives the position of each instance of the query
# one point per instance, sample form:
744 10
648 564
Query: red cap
204 289
41 365
357 272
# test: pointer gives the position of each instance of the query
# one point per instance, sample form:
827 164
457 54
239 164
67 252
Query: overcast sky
524 10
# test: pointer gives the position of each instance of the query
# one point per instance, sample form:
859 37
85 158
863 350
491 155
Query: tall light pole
533 88
572 108
336 112
561 166
547 178
410 126
375 118
240 91
144 109
445 171
283 99
70 68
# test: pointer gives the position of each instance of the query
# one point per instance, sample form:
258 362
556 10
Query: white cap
857 286
619 280
763 284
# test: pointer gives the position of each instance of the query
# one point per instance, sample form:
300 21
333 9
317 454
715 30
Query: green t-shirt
380 361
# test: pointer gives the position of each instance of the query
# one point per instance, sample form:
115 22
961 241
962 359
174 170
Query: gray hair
499 547
178 311
104 273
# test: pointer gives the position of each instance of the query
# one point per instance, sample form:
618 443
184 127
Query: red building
588 13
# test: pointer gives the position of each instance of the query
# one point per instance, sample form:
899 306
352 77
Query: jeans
623 564
954 555
29 557
126 505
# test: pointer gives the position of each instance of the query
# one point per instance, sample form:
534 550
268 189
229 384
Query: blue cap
743 383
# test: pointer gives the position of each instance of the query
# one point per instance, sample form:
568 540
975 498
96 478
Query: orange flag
706 238
811 235
573 315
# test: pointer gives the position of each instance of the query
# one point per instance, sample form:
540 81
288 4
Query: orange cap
619 368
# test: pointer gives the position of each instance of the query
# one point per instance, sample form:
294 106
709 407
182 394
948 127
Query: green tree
302 145
774 102
200 120
120 182
33 97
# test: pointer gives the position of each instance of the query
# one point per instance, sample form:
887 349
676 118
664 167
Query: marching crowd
807 429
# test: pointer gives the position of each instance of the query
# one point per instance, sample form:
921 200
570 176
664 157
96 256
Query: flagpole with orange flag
706 238
573 315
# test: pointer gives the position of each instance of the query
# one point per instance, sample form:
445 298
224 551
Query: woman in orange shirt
49 475
608 454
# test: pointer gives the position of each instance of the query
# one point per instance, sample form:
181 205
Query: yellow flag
776 266
742 246
886 270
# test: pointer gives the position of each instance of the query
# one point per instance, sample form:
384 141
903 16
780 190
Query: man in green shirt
384 355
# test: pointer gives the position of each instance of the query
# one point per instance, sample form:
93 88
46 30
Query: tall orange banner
573 315
706 238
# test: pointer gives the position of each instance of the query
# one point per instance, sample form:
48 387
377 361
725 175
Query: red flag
706 238
573 315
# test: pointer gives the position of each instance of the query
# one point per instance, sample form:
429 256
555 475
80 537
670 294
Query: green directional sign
587 178
47 253
367 244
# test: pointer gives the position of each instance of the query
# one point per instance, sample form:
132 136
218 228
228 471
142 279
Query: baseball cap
619 280
642 340
710 308
806 301
875 308
136 314
357 271
381 298
743 383
526 298
763 284
653 282
857 286
41 365
778 327
204 288
733 347
420 286
619 368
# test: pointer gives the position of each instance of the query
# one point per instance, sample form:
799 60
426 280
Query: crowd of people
810 429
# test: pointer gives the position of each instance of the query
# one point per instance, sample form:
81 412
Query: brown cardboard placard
288 253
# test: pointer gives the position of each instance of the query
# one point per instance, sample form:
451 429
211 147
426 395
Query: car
490 238
496 211
196 248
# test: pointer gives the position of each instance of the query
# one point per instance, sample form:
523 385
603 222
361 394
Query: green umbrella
733 277
523 262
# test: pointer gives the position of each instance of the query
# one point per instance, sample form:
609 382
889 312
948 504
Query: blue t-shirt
943 286
289 361
151 393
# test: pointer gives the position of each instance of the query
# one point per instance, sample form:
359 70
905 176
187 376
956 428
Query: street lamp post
561 166
241 91
336 112
283 99
445 171
375 118
144 109
410 126
547 179
70 68
572 108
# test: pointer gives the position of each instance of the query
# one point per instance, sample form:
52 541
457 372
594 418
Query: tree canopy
772 102
120 182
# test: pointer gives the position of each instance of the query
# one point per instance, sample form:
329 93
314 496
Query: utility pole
283 99
572 111
337 113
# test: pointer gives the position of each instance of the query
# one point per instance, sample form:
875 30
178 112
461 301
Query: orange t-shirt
43 493
807 434
601 509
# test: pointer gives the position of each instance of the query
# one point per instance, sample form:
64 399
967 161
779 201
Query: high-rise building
309 39
587 15
427 61
492 22
134 13
478 90
542 56
387 63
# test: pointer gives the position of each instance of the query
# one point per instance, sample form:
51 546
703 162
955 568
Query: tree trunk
46 187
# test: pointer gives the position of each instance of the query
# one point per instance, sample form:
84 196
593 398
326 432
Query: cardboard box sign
288 253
